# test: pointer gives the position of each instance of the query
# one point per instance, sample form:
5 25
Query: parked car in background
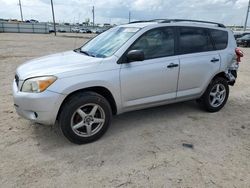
239 35
128 67
93 30
88 31
99 31
85 31
31 21
61 30
244 41
51 31
75 30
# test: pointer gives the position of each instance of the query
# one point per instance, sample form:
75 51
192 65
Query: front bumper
38 107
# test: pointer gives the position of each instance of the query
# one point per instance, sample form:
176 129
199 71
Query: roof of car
141 24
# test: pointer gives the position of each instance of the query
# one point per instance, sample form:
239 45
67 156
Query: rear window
220 38
194 40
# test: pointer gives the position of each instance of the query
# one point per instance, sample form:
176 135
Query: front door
155 78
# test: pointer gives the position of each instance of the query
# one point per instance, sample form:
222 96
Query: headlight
37 84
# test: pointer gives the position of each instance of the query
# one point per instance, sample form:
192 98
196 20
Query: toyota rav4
128 67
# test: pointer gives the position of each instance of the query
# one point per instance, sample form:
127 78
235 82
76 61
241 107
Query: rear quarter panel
228 56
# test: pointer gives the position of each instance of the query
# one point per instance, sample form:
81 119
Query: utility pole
93 12
53 14
248 9
129 16
20 5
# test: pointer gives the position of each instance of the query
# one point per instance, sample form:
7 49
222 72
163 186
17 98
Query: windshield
107 43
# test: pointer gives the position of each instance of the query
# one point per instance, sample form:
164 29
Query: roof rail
154 20
197 21
141 21
178 20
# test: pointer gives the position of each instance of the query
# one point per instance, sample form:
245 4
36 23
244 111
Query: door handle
214 60
172 65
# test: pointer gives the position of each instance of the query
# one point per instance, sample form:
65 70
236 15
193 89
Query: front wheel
216 95
85 117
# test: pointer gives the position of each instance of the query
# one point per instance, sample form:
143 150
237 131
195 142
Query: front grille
17 80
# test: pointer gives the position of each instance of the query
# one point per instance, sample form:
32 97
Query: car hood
57 64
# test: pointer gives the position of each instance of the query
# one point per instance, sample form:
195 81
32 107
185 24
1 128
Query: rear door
199 62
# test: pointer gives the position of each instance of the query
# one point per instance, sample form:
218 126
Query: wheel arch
103 91
230 76
222 75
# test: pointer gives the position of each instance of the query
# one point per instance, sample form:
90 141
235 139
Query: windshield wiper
83 52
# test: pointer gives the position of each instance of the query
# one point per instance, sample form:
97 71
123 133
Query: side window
156 43
220 38
193 40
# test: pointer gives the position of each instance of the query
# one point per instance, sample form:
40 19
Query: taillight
239 54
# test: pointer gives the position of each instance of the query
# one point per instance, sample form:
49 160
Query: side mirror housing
135 55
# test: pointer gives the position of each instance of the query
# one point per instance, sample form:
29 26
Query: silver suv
128 67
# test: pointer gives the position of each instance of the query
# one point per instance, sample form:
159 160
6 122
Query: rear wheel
85 117
216 95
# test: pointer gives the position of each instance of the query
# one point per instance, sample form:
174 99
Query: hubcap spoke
214 100
98 120
220 100
93 111
81 113
218 88
222 92
89 129
78 125
213 94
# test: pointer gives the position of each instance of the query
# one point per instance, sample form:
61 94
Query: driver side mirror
135 55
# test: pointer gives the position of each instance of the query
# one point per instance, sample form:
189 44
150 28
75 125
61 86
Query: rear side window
220 38
194 40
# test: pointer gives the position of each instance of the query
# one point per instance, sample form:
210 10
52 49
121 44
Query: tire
215 96
85 117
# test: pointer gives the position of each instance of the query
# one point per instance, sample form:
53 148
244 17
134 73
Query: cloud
225 11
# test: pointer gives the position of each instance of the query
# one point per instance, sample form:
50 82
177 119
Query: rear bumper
231 74
38 107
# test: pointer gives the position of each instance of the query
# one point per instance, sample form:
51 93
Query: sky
229 12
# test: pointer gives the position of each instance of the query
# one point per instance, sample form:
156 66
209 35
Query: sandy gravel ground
141 149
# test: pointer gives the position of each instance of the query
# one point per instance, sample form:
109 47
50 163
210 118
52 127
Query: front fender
106 79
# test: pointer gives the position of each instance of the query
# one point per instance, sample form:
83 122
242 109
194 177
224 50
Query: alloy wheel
88 120
217 95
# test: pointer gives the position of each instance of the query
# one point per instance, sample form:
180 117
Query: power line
20 5
248 9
